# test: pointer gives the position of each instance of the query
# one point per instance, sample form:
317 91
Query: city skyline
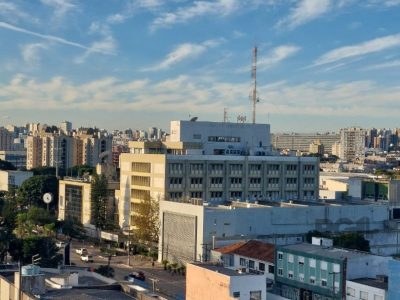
136 64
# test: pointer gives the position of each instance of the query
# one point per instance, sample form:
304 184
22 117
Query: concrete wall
394 280
358 287
368 266
272 224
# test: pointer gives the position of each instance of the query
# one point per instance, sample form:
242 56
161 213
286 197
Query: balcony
175 186
216 172
196 186
216 185
236 186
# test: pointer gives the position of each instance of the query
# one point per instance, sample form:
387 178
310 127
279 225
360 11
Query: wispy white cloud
304 12
12 13
195 10
385 65
316 98
183 52
133 7
368 47
104 47
30 53
274 57
61 7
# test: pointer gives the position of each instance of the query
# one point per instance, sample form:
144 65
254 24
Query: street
166 284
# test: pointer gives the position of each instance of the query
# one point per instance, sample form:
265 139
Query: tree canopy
146 221
350 240
99 201
32 190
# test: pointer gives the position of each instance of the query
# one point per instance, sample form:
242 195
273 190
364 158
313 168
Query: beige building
302 141
87 147
6 139
316 147
74 200
211 282
352 141
214 178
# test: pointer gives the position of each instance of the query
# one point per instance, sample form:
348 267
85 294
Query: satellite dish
194 119
47 198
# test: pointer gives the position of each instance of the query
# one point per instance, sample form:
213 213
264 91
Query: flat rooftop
373 282
221 269
85 294
335 253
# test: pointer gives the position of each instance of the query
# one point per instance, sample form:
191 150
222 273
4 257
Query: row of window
362 295
251 265
272 195
232 167
323 265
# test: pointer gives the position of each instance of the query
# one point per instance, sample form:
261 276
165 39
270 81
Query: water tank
30 270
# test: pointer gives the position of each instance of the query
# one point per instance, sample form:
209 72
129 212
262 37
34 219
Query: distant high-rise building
6 139
352 142
317 147
302 141
87 147
66 127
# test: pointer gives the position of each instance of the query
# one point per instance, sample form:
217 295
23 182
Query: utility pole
254 96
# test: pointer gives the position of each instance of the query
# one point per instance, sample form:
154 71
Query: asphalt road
168 285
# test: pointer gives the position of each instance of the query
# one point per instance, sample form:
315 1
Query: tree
32 190
99 201
146 221
5 165
72 228
36 218
27 247
80 170
105 270
352 240
7 225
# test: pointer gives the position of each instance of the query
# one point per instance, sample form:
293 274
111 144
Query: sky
115 64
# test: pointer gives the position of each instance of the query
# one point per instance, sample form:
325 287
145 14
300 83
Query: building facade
302 141
352 143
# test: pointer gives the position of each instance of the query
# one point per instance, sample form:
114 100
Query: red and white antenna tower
254 95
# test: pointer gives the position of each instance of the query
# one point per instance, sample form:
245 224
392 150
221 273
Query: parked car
60 244
135 276
87 257
81 251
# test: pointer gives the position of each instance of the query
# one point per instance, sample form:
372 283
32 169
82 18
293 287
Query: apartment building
302 141
17 158
352 143
87 147
312 271
6 139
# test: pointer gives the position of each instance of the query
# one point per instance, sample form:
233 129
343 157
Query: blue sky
322 64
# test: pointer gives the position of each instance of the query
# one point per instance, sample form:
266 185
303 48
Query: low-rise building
75 202
9 178
210 282
251 256
367 289
319 272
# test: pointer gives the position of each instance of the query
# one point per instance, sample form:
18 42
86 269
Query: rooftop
221 269
335 253
252 249
85 294
373 282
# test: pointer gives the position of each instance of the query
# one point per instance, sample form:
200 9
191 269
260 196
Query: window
290 275
255 295
242 262
280 272
377 297
251 264
197 136
290 258
271 269
350 292
236 294
261 266
363 295
312 280
324 265
312 263
324 283
280 255
301 277
300 259
336 268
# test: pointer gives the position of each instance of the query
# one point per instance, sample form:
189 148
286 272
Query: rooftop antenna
254 96
225 115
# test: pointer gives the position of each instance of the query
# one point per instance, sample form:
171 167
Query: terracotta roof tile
252 249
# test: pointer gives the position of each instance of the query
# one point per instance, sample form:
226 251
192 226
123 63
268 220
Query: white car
87 258
81 251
